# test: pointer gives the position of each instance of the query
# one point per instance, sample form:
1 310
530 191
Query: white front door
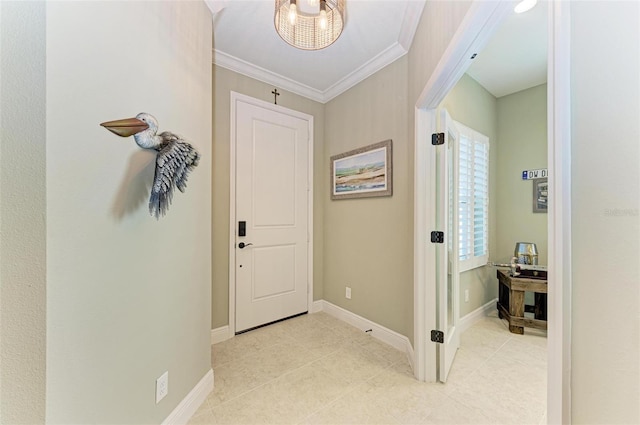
272 183
446 264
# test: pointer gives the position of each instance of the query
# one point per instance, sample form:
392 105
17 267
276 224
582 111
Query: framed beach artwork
362 173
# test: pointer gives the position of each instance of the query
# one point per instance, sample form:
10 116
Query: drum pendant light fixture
309 24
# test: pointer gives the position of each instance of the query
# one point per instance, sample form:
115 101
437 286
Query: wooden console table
511 302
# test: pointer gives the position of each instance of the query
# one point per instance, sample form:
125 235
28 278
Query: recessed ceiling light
525 5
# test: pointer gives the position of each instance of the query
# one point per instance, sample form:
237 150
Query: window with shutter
473 198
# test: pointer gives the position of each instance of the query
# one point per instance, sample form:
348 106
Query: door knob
241 245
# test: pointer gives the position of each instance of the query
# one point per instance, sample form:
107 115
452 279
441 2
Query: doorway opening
480 24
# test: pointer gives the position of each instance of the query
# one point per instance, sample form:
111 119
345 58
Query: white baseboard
220 334
392 338
410 355
379 332
476 315
316 306
192 402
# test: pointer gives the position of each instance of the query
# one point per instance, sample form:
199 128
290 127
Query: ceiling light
293 12
323 16
309 26
525 5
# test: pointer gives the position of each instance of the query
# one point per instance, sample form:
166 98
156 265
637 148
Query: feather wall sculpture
174 161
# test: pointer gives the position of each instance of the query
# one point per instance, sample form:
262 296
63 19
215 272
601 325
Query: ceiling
516 57
376 33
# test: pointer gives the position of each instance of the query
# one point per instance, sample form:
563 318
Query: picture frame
540 195
363 173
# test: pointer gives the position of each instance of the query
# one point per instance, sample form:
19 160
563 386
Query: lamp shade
310 31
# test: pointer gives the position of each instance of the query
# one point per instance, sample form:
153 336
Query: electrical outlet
466 295
347 293
162 386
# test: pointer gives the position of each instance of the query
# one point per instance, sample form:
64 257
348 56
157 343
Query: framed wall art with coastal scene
363 173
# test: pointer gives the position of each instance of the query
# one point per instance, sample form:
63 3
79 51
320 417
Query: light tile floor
316 369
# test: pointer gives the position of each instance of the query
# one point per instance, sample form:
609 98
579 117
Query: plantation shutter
473 198
465 197
481 199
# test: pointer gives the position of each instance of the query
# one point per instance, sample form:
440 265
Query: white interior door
271 260
446 253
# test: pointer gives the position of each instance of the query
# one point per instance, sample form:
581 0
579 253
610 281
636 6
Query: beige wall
472 105
605 87
23 258
225 81
522 132
440 20
368 243
127 296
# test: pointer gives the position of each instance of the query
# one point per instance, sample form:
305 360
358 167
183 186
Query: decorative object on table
174 161
526 253
524 262
362 173
530 272
540 195
309 24
522 270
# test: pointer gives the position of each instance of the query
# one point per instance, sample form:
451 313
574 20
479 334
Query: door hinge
437 139
437 336
437 237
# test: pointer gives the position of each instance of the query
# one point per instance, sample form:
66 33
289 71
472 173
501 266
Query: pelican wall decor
174 161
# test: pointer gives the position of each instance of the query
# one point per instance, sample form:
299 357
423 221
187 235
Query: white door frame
479 24
235 98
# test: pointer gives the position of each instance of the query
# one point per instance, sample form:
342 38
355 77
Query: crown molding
410 23
216 6
250 70
384 58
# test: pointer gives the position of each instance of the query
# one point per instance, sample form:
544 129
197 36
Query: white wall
605 86
22 219
128 297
